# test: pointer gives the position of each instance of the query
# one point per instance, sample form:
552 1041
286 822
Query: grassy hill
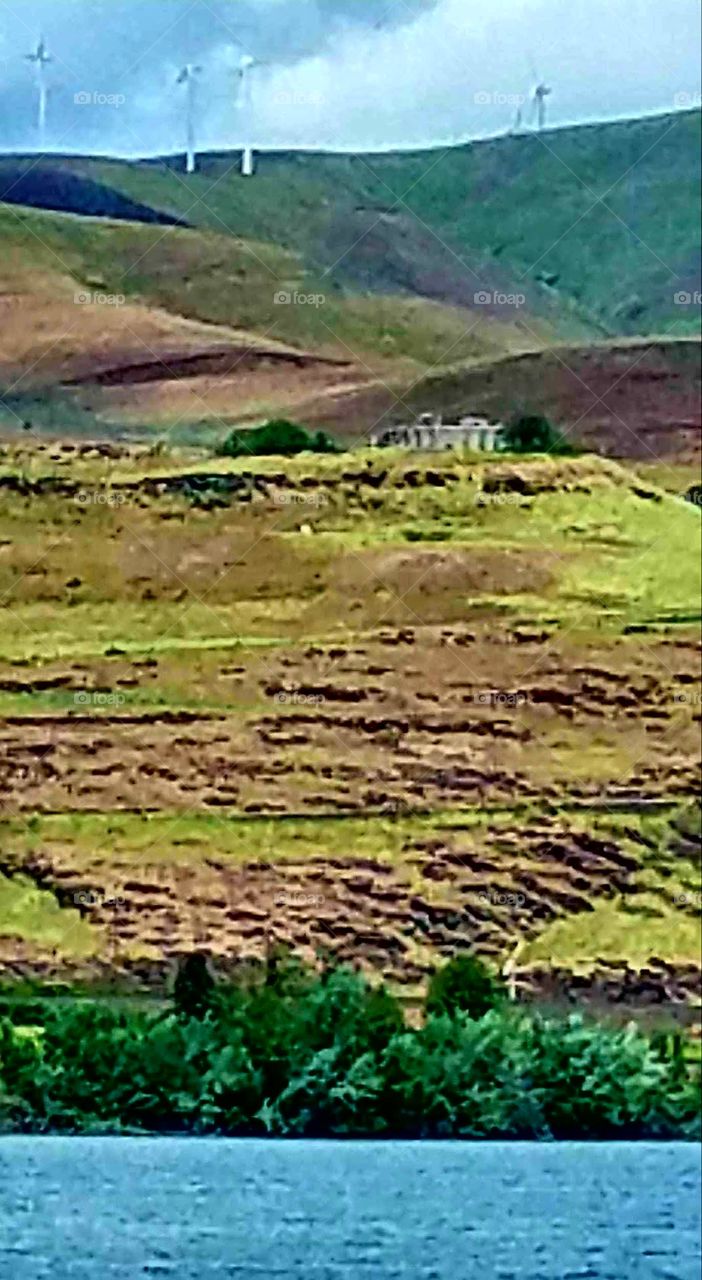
601 220
595 228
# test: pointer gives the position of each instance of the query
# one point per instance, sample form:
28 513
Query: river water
122 1208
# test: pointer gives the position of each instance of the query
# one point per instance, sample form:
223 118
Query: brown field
382 705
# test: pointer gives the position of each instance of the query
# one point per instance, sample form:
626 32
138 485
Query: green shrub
277 438
464 985
531 433
292 1052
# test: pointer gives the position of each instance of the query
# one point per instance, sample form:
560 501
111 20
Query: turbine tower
41 59
245 100
188 77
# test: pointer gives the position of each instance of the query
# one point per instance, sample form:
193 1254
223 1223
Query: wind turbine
541 93
41 59
188 77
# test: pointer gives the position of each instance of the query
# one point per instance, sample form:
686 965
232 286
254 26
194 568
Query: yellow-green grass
75 581
614 932
219 598
34 916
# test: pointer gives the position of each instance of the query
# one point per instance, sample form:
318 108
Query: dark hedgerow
277 438
290 1052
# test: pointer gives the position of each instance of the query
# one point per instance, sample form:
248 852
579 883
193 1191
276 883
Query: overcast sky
358 74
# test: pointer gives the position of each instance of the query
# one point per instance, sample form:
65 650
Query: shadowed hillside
56 187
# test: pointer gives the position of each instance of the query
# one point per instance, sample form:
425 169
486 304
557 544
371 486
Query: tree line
291 1051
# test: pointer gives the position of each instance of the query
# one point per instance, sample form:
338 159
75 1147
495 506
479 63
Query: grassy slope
200 278
611 210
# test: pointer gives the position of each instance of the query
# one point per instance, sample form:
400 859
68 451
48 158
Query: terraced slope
384 705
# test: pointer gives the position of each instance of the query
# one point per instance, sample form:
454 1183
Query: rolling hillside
142 299
382 705
601 220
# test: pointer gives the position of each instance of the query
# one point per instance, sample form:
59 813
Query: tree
532 433
193 987
464 985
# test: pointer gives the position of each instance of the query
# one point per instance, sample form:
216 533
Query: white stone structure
431 432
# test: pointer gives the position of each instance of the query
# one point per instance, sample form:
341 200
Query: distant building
431 432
